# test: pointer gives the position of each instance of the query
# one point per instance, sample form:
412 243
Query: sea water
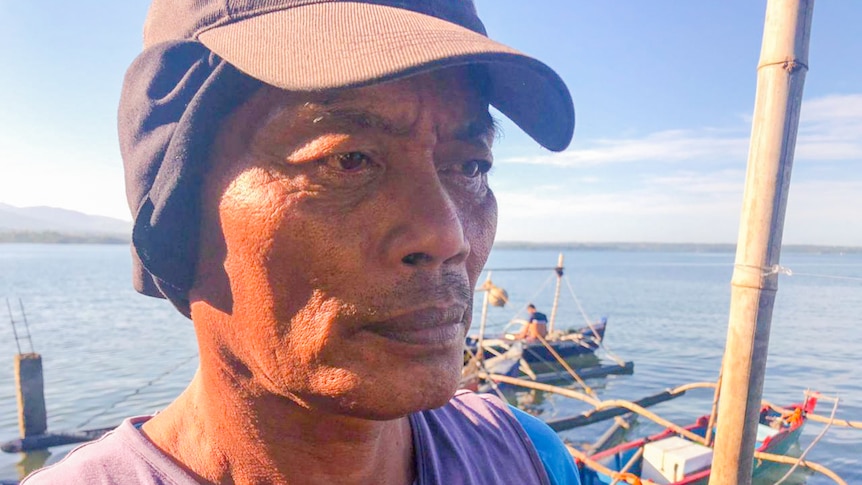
109 353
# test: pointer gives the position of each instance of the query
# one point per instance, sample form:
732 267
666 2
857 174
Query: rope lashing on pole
783 270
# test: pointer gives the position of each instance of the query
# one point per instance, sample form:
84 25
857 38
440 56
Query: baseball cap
203 58
315 45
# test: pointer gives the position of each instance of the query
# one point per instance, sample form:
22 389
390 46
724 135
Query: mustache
422 289
450 286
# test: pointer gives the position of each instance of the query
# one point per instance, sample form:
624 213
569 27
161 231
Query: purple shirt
472 440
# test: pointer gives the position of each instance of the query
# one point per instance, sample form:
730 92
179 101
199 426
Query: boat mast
480 350
559 271
780 78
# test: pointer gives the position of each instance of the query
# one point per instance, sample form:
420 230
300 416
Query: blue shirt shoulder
557 460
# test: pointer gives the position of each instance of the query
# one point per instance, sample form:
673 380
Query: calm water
109 353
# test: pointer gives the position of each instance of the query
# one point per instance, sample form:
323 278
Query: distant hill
50 224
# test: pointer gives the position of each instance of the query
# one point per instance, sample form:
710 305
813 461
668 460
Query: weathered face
343 235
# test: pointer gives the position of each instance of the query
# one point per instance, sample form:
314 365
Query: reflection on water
32 460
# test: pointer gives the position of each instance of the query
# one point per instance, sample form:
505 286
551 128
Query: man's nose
429 230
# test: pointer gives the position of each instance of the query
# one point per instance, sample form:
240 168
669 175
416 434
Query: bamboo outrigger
608 409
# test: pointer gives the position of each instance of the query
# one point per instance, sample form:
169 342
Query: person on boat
536 325
308 181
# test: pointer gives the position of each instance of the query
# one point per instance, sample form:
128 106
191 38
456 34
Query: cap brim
334 45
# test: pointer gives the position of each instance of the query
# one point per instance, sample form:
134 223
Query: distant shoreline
670 247
53 237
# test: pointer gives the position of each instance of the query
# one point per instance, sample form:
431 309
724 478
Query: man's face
343 234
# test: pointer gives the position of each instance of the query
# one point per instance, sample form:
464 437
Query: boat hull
570 345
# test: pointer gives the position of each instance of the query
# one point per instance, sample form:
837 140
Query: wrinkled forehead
458 94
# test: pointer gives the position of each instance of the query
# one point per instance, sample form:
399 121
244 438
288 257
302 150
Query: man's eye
349 162
475 168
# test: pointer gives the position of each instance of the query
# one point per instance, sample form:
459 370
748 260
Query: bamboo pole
818 418
597 404
713 412
516 381
575 376
789 460
625 469
780 79
559 271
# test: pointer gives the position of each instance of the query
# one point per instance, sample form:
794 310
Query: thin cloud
680 206
682 192
830 129
663 146
645 214
711 184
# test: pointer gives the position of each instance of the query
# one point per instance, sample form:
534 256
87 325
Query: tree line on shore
54 237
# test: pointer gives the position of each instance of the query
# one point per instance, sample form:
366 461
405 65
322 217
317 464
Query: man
308 181
536 326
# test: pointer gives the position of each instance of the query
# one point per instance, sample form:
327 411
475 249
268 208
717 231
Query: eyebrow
352 119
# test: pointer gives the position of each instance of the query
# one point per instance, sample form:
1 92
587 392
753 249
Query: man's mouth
433 326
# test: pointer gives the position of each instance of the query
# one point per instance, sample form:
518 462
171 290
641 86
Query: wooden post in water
29 384
32 416
780 78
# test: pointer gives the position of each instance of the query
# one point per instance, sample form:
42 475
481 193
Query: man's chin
391 387
400 408
398 399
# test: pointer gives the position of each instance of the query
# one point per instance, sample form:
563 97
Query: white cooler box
671 459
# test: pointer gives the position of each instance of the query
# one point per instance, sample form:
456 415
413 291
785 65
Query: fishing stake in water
29 382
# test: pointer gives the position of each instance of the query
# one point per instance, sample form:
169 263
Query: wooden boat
568 344
540 355
669 458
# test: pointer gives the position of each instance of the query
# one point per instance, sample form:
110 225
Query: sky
663 92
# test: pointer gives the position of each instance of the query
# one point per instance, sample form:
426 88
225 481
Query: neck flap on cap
171 96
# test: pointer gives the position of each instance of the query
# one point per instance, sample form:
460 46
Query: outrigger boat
542 359
568 344
684 456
